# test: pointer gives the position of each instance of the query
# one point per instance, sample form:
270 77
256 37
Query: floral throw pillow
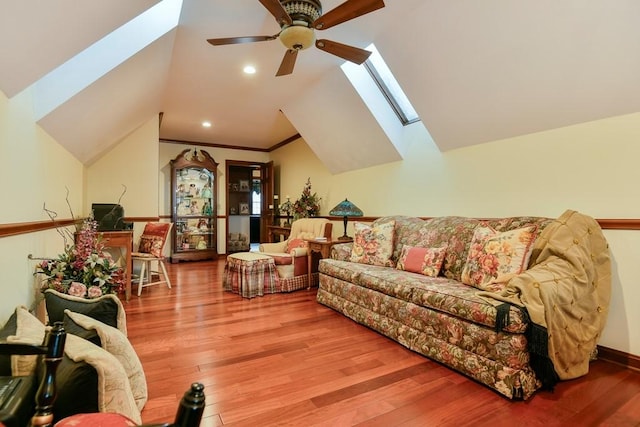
295 243
494 257
151 245
373 245
427 261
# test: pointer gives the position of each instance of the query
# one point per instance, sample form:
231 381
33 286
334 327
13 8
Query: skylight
389 86
381 94
75 75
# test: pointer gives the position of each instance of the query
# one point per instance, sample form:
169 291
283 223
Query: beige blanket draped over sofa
564 296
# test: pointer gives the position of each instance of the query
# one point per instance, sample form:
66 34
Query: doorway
248 186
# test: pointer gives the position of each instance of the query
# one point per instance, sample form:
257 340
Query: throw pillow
114 390
29 330
79 388
295 243
151 245
494 257
107 308
427 261
156 229
73 328
7 330
373 245
114 341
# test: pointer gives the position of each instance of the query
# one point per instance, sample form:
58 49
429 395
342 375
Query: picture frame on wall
244 185
244 208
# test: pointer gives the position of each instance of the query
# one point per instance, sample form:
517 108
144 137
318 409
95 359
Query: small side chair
290 256
150 249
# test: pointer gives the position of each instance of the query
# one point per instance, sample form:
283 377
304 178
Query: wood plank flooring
284 359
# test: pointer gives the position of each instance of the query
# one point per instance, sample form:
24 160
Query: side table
323 247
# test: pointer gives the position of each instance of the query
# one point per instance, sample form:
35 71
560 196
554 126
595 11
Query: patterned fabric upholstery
438 316
250 274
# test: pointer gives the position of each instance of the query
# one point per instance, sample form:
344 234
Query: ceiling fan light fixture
297 37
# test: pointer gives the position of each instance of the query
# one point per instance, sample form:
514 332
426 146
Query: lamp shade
346 208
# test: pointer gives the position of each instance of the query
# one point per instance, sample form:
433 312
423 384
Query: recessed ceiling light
249 69
206 124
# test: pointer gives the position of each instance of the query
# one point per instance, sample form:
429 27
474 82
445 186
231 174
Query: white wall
591 168
131 164
35 171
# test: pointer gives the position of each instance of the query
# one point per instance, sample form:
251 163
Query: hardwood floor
284 359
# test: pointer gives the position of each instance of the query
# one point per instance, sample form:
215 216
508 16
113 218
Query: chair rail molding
14 229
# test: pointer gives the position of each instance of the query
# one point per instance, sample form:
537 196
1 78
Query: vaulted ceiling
475 71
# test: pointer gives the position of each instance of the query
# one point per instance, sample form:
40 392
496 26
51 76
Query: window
388 85
256 200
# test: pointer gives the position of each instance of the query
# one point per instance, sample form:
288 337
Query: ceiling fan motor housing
303 10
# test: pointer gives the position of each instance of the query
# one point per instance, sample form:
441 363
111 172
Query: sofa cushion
374 277
280 258
439 293
494 257
373 245
427 261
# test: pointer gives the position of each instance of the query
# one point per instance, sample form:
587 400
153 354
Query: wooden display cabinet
193 206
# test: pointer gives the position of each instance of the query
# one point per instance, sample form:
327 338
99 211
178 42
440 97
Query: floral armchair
290 256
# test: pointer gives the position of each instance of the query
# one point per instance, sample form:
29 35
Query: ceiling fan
299 18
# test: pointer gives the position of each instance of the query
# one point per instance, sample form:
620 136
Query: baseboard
630 361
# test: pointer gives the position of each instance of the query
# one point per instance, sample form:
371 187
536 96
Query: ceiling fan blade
288 62
348 10
275 8
236 40
350 53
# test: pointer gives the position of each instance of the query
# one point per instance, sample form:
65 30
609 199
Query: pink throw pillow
295 243
426 261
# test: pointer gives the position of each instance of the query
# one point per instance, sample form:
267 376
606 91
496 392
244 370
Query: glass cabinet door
194 206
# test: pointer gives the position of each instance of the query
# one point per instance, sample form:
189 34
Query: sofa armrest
296 252
341 251
277 247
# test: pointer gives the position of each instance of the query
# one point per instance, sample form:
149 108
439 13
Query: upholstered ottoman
250 274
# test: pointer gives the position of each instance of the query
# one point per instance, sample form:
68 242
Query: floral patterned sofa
515 303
